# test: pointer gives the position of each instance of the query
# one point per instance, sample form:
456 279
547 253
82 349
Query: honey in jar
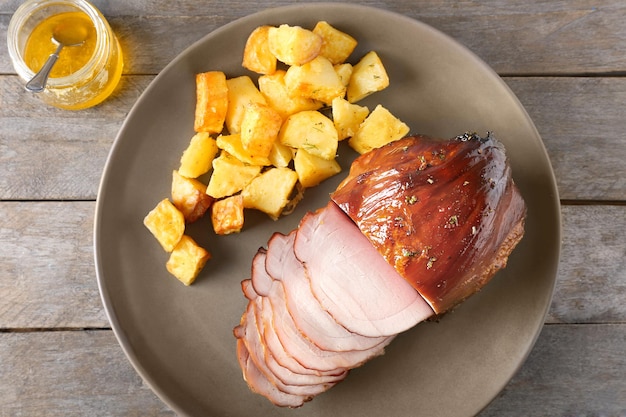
85 74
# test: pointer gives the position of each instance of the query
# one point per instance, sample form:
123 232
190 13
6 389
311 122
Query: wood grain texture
48 278
52 154
572 371
591 281
582 123
73 374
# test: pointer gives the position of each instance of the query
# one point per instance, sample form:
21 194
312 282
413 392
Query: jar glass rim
23 13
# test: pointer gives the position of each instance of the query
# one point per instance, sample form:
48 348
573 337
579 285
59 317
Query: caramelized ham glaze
445 214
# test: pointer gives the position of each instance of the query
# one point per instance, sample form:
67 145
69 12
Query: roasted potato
312 169
257 56
315 80
267 142
166 223
230 176
270 191
189 197
187 260
241 92
196 159
294 45
211 102
311 131
259 129
368 76
227 215
280 155
344 71
347 117
378 129
336 45
275 92
232 144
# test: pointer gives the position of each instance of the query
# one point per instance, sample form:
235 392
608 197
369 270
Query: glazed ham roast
416 227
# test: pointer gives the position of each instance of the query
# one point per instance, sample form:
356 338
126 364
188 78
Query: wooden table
565 60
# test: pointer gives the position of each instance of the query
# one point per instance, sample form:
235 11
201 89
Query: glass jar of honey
84 74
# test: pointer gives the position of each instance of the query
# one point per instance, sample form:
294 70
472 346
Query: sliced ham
261 281
369 298
248 289
306 352
271 370
277 350
416 227
257 382
309 316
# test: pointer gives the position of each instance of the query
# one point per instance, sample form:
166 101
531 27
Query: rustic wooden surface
565 60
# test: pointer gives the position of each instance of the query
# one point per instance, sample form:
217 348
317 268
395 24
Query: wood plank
582 123
49 272
82 373
539 37
76 373
48 277
43 149
591 283
573 370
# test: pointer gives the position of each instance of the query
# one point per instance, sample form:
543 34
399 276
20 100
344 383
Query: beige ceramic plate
180 339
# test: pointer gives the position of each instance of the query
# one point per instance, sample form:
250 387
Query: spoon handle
38 83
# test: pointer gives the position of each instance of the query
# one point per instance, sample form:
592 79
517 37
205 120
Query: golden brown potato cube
166 223
230 175
257 56
189 197
280 155
312 169
233 145
275 92
187 260
259 128
344 71
347 117
378 129
311 131
196 159
293 45
211 102
316 80
368 76
336 45
241 92
270 191
227 215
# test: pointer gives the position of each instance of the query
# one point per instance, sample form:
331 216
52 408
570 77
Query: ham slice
261 385
286 381
310 318
306 352
277 350
366 297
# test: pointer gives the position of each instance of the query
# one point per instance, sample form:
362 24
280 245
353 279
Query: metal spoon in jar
63 36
